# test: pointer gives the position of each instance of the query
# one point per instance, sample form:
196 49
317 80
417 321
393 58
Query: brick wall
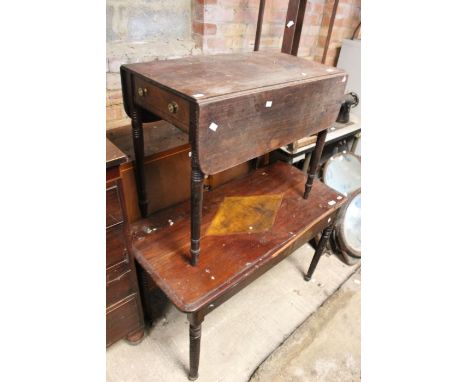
348 16
143 30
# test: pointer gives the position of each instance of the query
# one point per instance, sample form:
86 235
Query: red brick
197 27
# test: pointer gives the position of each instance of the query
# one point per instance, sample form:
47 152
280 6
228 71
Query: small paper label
339 197
269 103
213 126
331 202
290 23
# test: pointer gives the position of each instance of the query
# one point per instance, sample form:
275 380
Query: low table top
246 224
205 76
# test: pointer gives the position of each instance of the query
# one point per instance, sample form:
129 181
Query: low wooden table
274 220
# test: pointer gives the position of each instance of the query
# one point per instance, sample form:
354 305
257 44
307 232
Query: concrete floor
239 335
326 347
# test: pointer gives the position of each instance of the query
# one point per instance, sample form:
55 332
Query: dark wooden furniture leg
138 147
292 32
319 251
258 33
315 161
195 320
196 211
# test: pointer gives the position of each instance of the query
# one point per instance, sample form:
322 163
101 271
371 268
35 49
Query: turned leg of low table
195 320
319 251
138 147
315 161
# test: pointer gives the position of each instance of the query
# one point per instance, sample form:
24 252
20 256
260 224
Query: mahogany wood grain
296 112
229 260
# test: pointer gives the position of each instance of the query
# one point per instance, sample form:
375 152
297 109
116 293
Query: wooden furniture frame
234 107
124 315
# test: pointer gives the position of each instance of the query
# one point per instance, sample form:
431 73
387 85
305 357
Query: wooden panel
223 177
121 319
220 75
168 181
157 101
115 245
227 260
114 214
119 288
248 125
117 270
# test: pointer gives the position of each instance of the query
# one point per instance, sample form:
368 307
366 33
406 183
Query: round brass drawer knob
173 107
142 91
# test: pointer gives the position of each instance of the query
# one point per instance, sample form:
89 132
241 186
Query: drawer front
116 250
114 214
159 102
121 320
120 287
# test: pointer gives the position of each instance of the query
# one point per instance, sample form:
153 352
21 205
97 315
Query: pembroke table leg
319 251
138 147
195 340
196 213
315 161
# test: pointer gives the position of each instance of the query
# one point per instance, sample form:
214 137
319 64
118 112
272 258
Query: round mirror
342 172
351 228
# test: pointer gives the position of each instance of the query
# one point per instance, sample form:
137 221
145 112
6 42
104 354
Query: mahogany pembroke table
234 107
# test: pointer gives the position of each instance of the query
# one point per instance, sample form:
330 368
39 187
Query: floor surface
326 347
239 335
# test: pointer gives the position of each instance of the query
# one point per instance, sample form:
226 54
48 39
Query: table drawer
166 105
121 319
120 287
116 250
114 214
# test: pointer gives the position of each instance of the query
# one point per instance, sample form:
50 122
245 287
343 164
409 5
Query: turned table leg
315 161
138 147
195 320
196 212
319 251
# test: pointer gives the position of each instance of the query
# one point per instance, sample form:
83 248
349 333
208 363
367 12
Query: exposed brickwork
139 30
347 18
